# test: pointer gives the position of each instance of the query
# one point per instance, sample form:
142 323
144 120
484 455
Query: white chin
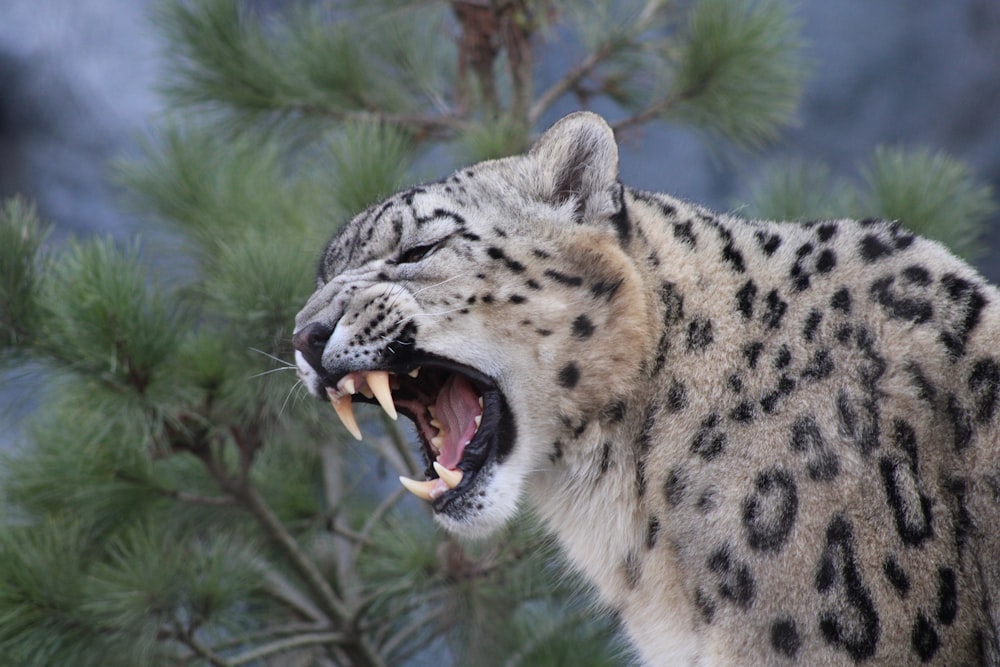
481 524
498 506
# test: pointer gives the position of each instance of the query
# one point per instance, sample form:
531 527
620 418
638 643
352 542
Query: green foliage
931 194
738 73
84 463
490 141
801 192
212 189
225 61
371 161
177 498
102 320
734 67
21 263
42 596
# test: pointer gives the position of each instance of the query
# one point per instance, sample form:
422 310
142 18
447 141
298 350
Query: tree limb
189 640
288 644
568 82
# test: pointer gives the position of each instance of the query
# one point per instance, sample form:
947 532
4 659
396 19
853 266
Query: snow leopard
763 443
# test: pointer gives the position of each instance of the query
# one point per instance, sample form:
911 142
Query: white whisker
291 391
442 312
271 356
273 370
446 280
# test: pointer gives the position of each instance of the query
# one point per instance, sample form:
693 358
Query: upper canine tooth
345 410
450 477
378 382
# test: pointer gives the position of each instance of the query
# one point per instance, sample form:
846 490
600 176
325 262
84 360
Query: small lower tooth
478 419
480 401
415 372
437 441
435 423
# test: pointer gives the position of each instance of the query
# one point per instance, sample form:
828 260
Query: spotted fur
763 443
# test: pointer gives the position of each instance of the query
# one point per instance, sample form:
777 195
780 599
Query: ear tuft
578 161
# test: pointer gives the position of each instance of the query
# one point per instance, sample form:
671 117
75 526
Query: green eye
415 254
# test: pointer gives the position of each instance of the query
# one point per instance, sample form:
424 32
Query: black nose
310 340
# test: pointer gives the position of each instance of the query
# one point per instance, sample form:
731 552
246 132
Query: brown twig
568 82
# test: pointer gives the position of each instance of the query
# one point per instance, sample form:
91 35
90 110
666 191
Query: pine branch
21 238
568 82
182 496
652 111
270 634
251 500
612 43
356 646
424 128
199 649
413 601
289 644
737 71
288 594
374 519
430 623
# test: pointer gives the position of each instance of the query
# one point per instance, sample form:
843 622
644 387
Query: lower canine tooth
378 382
449 477
419 489
428 490
345 410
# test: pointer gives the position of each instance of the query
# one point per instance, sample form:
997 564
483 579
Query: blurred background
165 371
78 87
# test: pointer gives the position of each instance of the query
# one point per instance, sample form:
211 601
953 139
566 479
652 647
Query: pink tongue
457 407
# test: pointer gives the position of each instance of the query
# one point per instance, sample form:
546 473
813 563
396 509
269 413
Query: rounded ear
577 161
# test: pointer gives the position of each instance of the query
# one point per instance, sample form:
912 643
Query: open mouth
461 418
